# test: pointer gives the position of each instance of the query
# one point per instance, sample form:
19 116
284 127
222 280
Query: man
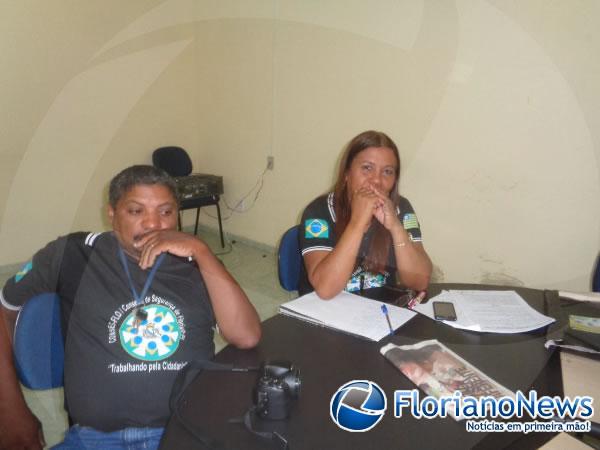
124 346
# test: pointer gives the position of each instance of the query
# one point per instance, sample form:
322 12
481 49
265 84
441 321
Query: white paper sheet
349 313
489 311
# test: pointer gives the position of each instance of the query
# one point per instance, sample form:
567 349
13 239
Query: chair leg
197 218
220 225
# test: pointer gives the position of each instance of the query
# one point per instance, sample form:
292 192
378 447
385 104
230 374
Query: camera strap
191 370
186 375
277 440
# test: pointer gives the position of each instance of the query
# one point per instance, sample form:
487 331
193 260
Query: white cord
236 209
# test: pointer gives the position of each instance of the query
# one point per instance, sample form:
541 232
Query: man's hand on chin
177 243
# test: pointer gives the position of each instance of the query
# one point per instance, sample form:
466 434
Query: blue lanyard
139 299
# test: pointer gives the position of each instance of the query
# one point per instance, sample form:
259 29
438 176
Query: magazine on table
439 372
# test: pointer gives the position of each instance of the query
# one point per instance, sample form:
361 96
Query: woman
363 234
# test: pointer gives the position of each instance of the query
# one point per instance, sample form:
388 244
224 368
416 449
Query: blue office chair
38 343
289 259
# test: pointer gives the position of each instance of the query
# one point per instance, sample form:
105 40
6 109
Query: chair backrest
289 260
38 343
173 160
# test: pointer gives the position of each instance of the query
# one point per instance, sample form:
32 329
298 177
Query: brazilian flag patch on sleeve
316 228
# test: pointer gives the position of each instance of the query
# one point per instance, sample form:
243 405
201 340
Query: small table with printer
197 190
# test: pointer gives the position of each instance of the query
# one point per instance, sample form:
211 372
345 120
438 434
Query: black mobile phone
444 311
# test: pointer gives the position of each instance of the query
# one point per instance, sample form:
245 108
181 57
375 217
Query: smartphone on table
444 311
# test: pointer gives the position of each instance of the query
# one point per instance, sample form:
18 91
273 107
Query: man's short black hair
136 175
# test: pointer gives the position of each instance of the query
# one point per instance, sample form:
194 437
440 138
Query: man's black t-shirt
119 369
317 233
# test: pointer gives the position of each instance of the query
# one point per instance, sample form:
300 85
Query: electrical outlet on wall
270 162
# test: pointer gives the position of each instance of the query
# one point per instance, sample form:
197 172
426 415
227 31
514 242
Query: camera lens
292 379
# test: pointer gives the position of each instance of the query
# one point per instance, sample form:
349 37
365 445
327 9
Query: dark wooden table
329 359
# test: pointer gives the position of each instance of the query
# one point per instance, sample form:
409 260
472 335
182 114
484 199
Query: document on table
348 313
488 311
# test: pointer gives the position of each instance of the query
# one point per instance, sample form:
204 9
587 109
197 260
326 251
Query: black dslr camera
278 384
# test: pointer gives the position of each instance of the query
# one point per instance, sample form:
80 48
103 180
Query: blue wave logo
358 406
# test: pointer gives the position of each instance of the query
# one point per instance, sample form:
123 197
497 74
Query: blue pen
384 310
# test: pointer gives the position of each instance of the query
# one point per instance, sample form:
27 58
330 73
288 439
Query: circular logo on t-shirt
150 333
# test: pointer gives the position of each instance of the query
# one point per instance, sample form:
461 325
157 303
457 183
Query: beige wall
494 105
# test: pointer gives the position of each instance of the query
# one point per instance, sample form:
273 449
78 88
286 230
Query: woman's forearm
414 265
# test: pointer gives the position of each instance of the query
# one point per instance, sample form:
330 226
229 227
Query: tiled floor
256 271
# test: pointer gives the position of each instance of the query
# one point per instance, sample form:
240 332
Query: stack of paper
489 311
348 313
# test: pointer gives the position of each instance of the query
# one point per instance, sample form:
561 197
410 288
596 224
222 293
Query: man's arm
19 428
237 319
